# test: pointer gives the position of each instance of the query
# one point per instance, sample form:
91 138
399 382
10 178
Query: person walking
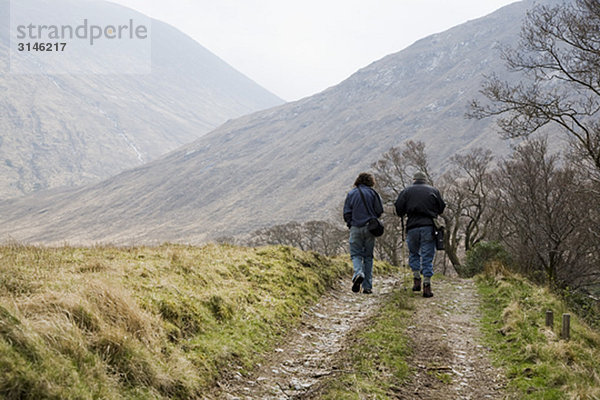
421 203
362 204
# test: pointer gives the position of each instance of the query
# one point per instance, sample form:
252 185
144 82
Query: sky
298 48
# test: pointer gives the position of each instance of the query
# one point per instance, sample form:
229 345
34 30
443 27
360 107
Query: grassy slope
146 322
162 322
538 364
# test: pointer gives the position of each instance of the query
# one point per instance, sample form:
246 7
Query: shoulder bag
374 225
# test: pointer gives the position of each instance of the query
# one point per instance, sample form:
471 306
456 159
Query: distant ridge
67 130
291 162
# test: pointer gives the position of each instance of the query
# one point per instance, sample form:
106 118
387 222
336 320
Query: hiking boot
356 283
367 291
427 290
417 285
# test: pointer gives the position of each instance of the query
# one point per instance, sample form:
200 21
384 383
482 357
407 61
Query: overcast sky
298 48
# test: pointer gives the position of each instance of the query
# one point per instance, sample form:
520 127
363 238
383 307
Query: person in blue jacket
362 242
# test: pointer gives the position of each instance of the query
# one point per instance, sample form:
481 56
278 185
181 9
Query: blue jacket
355 213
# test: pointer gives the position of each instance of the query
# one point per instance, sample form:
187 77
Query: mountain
72 129
291 162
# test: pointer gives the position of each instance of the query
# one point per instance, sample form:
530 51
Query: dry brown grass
128 323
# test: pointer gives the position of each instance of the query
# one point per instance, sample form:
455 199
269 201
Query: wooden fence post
566 327
550 319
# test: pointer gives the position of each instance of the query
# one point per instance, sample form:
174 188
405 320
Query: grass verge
374 363
147 323
538 363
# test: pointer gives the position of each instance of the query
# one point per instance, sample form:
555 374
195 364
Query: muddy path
309 353
447 360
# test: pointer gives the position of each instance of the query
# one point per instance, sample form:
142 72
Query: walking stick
403 255
403 243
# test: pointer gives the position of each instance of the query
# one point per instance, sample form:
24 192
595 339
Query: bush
481 255
584 304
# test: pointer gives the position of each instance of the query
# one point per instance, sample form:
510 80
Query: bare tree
455 199
388 247
393 173
320 236
558 60
325 237
290 234
559 57
395 168
474 169
465 188
541 207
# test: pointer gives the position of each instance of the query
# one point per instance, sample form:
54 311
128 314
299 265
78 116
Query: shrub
483 254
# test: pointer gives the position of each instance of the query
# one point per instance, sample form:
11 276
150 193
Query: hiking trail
444 336
447 360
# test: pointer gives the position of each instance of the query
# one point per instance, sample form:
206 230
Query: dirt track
447 360
309 353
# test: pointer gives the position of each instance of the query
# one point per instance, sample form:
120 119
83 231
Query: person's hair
365 178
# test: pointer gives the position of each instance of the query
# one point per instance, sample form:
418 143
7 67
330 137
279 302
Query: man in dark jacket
422 203
357 214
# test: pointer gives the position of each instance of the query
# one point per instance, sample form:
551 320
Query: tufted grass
147 322
538 363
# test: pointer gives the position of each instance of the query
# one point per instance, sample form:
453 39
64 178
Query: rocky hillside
72 129
292 162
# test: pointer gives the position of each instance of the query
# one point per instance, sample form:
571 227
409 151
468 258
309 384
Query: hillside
69 129
151 323
292 162
182 322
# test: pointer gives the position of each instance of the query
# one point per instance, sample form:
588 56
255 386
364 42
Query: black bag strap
362 196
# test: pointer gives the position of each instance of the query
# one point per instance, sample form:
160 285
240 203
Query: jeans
361 252
421 249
